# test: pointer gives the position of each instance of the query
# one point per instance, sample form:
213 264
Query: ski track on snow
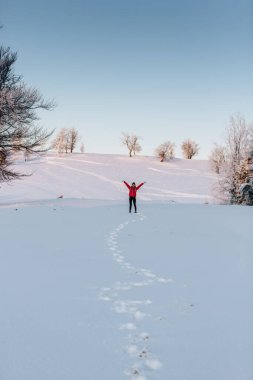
99 176
138 348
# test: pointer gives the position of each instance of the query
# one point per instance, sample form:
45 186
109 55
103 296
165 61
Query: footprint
138 315
104 298
135 373
132 350
143 353
122 286
144 336
137 341
165 280
149 274
128 326
153 364
107 297
129 266
139 284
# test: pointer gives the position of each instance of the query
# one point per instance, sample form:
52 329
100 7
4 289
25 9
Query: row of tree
67 139
165 151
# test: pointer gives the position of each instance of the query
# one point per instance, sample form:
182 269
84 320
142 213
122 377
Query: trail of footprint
138 347
119 258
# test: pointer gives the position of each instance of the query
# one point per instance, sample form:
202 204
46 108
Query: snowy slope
97 176
90 292
97 293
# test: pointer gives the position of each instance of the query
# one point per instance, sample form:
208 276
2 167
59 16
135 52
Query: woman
132 194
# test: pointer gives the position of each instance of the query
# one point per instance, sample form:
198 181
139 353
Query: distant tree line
165 151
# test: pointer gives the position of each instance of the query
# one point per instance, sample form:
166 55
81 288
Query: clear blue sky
163 69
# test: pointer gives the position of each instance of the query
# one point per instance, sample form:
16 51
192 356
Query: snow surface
90 292
99 176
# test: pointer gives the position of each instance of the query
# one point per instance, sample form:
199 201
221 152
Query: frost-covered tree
19 106
217 158
165 151
238 138
66 140
244 181
73 138
60 142
238 142
189 148
132 143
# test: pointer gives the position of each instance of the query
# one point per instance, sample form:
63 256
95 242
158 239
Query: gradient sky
163 69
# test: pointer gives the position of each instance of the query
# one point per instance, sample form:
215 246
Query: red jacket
133 189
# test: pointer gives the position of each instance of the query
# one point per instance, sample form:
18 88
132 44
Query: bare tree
60 142
18 116
82 148
73 138
165 151
126 140
189 148
217 158
132 143
17 141
238 138
66 140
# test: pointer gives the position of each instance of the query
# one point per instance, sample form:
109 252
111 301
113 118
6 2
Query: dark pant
132 200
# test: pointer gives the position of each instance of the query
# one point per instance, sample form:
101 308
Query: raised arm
128 186
140 185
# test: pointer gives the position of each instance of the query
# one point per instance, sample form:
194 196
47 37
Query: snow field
91 292
98 176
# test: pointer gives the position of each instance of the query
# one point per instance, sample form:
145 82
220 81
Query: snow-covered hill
97 176
91 292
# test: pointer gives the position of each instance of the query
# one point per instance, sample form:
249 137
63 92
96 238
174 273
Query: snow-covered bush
165 151
132 143
189 148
